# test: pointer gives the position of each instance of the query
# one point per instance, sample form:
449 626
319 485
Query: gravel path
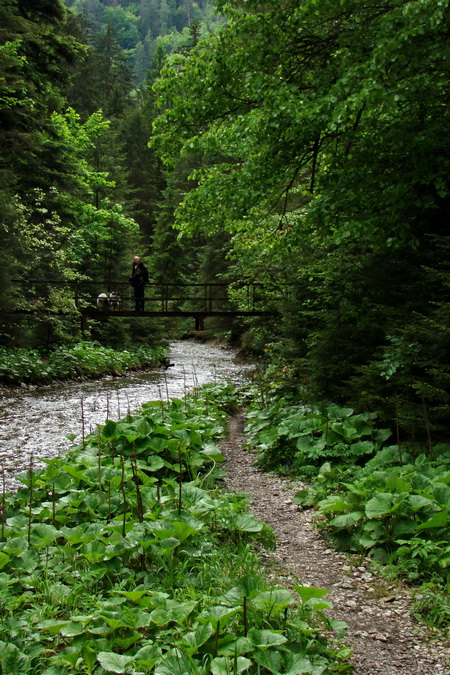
384 637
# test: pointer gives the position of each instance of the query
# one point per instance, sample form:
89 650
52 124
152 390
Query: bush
85 359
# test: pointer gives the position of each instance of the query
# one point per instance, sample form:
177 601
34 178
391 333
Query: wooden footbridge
195 300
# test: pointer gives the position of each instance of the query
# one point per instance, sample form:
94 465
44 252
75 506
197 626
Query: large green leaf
334 504
94 551
218 613
265 638
441 494
73 628
296 664
4 560
147 656
169 543
269 659
115 663
44 534
418 502
15 545
306 593
109 429
380 505
362 448
304 444
135 596
273 602
230 645
183 530
176 662
52 625
171 610
195 639
438 520
155 463
213 452
245 522
226 665
346 519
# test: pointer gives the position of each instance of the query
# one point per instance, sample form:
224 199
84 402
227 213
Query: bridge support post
84 323
199 323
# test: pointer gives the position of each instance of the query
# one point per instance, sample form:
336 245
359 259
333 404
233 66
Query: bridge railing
159 297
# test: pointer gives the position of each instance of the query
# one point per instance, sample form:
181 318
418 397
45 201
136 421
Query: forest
300 146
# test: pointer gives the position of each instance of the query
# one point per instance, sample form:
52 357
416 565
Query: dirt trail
384 637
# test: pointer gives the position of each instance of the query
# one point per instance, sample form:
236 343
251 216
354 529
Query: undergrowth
391 502
124 556
84 359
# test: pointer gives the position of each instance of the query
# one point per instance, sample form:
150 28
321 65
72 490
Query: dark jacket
139 274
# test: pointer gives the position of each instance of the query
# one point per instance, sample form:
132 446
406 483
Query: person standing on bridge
138 279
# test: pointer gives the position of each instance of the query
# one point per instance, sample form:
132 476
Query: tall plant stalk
139 503
195 378
118 404
53 505
83 441
122 487
180 481
167 387
99 468
161 400
3 502
109 501
216 641
30 505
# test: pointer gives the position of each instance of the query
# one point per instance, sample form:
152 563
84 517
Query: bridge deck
199 300
95 313
198 315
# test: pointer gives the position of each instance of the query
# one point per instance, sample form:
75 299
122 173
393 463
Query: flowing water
37 423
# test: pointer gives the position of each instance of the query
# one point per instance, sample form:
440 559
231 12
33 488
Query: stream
38 423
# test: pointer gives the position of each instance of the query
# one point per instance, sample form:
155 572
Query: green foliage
432 605
391 503
65 218
399 510
141 27
298 439
34 57
311 127
123 556
85 359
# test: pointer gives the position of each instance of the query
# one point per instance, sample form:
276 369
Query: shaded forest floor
385 638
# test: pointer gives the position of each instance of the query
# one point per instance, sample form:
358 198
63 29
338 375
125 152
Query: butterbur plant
122 557
85 359
298 439
389 502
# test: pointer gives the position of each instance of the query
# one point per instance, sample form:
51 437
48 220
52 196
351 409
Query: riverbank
82 361
125 556
382 632
42 422
301 553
